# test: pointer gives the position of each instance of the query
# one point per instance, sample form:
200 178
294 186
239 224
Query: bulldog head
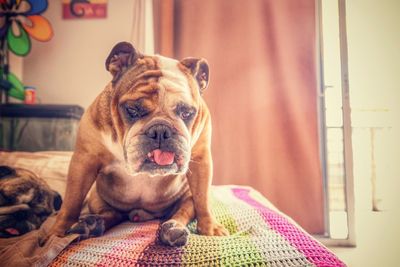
156 105
25 201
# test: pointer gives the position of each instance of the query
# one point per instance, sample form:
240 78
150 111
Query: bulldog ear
122 56
199 69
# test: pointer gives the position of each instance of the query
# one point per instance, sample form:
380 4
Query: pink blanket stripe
312 250
129 250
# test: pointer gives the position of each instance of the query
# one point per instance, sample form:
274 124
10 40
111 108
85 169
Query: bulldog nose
159 132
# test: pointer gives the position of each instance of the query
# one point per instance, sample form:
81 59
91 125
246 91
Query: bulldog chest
126 192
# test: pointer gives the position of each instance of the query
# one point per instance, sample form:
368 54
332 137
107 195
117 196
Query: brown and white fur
143 150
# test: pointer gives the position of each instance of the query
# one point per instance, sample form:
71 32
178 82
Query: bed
260 235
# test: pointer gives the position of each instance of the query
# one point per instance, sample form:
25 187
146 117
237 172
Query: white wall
374 53
374 77
70 68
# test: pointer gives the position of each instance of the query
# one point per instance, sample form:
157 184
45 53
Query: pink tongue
163 157
12 231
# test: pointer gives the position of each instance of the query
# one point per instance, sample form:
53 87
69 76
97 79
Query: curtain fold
262 94
164 27
142 35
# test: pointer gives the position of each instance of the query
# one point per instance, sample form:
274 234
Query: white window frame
348 154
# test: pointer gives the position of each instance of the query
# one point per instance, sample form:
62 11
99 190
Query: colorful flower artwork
15 86
20 20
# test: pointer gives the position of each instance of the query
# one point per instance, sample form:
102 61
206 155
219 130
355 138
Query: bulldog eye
185 115
185 112
135 112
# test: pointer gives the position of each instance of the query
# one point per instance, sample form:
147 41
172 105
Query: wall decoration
84 9
19 20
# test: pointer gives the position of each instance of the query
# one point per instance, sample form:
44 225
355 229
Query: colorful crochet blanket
260 236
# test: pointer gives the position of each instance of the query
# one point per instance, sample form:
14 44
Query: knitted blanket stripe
259 236
240 248
311 248
133 245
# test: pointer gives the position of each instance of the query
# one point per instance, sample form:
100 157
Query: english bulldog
143 150
26 200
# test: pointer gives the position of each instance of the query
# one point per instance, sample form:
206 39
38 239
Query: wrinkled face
158 103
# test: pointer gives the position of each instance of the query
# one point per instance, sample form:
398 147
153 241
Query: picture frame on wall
84 9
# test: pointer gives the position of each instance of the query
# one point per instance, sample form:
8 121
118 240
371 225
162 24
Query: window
335 124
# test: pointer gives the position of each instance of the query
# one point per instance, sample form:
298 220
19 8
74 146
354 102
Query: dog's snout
159 132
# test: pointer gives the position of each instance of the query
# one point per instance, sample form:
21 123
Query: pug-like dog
144 145
26 201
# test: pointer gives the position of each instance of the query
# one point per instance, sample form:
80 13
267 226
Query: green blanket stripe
227 251
223 215
257 243
268 239
244 239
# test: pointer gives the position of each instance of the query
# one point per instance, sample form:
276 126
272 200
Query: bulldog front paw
174 233
211 228
90 225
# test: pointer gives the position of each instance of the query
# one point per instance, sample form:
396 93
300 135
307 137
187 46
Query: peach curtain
262 95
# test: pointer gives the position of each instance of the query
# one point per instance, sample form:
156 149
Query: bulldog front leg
174 232
200 183
100 218
200 177
81 176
